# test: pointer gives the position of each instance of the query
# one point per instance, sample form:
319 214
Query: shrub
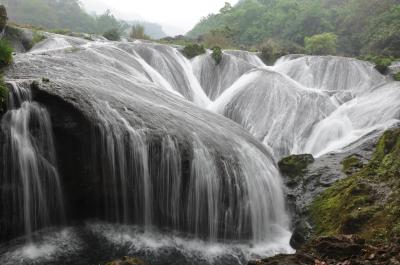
321 44
217 54
272 49
5 53
193 50
3 96
112 34
138 32
382 65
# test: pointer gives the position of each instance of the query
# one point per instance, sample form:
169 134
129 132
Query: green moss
193 50
295 165
368 202
397 76
351 164
5 53
217 54
3 96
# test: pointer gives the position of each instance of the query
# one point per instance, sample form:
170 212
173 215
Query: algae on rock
368 202
295 165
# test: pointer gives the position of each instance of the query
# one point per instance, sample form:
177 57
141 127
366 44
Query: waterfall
185 149
144 183
277 110
30 184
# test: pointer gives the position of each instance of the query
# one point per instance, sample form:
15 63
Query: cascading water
176 183
30 184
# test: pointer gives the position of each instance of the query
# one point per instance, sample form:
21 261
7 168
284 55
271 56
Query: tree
227 7
138 32
321 44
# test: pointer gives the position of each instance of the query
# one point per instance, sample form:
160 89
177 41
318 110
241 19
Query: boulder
295 165
301 234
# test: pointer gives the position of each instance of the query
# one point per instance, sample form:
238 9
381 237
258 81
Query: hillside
69 14
361 26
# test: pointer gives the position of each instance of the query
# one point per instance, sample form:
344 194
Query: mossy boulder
366 203
6 51
295 165
351 164
127 261
192 50
3 96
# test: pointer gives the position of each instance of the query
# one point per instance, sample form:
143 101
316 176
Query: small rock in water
127 261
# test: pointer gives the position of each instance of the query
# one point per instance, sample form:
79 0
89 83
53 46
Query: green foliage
382 63
193 50
368 202
112 34
295 165
65 14
217 55
138 32
5 53
271 50
360 26
221 37
321 44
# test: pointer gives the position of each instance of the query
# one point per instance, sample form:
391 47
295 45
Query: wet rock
352 164
296 259
322 174
127 261
301 234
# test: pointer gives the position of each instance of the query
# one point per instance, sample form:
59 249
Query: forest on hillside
70 15
360 26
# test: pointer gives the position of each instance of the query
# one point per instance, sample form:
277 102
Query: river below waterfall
114 149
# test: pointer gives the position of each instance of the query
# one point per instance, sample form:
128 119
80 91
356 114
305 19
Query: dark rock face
321 174
3 17
301 234
311 178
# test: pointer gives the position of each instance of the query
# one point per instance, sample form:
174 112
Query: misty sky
179 15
